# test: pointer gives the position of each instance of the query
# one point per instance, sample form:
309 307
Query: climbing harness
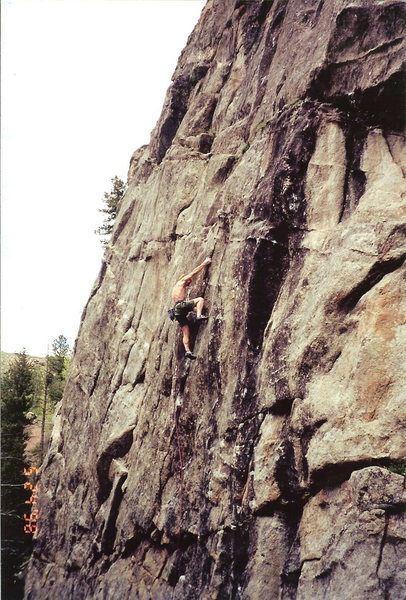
171 311
180 310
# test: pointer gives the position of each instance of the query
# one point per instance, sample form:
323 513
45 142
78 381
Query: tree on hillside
112 201
60 346
16 398
56 367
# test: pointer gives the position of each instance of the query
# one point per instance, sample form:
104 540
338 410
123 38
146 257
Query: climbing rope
180 496
178 440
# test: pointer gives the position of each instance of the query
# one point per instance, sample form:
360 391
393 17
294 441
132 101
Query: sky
83 84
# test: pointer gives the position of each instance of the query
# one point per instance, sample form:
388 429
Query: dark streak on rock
177 105
96 378
117 448
383 542
285 471
110 530
270 263
374 276
355 179
291 570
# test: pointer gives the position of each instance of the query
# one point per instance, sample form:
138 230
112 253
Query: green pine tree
112 201
17 389
57 368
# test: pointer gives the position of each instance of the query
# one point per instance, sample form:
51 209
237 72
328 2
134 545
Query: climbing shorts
181 310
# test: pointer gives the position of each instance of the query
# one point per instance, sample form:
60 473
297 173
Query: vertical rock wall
264 469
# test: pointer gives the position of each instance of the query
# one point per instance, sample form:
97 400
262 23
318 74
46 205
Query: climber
182 307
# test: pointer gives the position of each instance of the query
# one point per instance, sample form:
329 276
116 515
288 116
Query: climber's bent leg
198 307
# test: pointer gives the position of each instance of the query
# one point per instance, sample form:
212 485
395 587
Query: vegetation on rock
25 382
112 201
17 389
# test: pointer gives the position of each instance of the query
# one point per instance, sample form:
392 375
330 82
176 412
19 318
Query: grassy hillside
7 357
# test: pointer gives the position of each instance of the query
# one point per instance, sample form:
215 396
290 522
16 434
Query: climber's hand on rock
207 260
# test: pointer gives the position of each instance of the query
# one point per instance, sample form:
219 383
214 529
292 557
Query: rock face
264 469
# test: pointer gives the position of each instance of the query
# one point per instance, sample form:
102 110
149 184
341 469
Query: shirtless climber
182 307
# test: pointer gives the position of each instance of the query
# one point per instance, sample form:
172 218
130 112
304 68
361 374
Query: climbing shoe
202 318
190 355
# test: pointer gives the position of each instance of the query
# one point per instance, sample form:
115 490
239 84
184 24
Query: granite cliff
269 468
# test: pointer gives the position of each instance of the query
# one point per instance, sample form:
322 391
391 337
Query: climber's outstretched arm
197 270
